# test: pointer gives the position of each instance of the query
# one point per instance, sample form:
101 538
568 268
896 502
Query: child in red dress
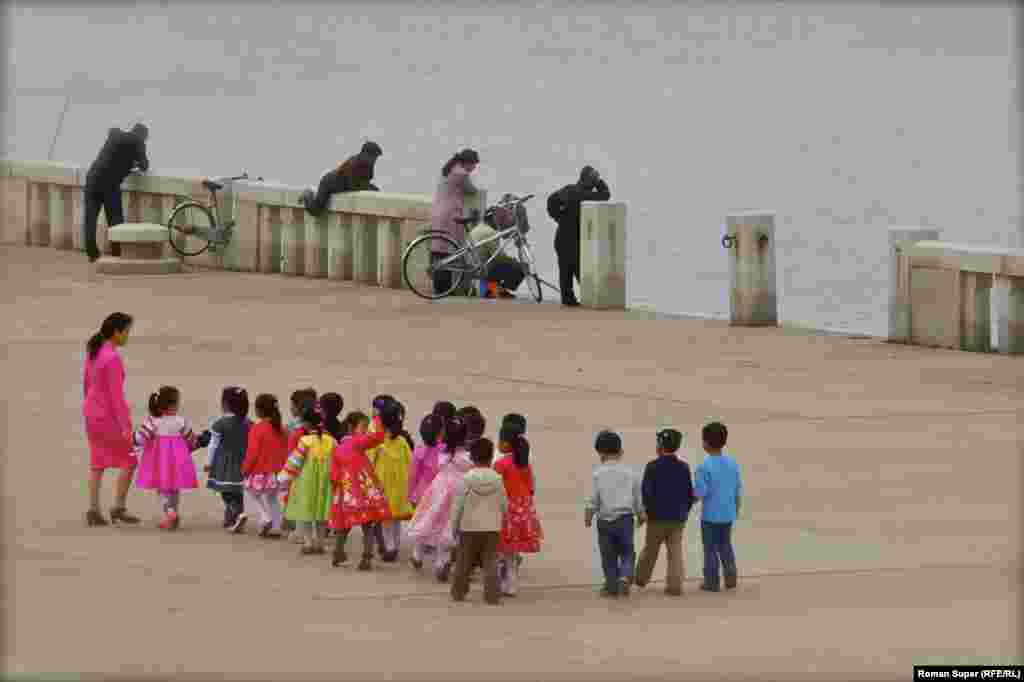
359 498
520 529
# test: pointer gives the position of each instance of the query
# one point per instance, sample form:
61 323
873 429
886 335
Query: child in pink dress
431 526
426 461
167 443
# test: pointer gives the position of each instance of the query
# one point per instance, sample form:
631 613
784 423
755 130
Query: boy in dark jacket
667 491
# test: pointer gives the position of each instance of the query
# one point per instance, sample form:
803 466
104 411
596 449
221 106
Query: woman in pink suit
449 204
108 421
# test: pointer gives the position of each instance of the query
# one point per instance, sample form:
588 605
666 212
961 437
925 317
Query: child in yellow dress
391 461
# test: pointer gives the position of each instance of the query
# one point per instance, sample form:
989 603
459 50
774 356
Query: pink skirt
262 483
167 465
108 448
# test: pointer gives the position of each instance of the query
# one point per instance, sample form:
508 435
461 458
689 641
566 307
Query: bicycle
508 217
193 227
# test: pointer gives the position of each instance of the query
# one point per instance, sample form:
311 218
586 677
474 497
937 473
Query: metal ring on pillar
728 241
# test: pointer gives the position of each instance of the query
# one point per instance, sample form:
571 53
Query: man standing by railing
564 209
121 153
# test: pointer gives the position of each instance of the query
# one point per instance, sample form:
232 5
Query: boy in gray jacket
616 503
477 512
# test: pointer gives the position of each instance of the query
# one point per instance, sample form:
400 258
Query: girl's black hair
114 322
482 452
331 404
312 420
267 408
443 409
380 401
352 420
164 399
465 156
516 420
391 418
430 429
521 452
235 400
476 425
454 435
302 396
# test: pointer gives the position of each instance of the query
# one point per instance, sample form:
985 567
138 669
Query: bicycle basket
503 217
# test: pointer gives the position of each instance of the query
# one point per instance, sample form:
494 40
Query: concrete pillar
1010 315
39 214
364 248
409 230
271 256
340 263
899 278
603 254
62 217
293 242
975 309
389 252
753 299
317 247
15 211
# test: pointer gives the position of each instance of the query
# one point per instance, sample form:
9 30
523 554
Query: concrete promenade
881 527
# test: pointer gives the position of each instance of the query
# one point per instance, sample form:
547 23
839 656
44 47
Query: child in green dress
309 471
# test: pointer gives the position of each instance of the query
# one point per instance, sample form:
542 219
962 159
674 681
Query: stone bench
143 246
947 291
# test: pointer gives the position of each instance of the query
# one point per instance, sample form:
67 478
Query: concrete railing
942 294
361 237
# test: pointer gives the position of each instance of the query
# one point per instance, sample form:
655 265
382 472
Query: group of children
321 475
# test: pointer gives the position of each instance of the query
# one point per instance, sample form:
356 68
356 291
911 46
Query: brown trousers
671 534
482 547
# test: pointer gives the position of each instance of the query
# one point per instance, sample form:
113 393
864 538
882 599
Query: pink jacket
426 460
450 203
103 388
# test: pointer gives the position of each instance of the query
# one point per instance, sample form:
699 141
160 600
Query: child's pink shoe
170 521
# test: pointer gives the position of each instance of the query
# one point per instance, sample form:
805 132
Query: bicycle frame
510 234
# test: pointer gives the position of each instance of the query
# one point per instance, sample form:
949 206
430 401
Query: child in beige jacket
478 509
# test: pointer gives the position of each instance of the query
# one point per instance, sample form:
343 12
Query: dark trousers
474 547
717 539
110 202
506 272
615 540
442 278
567 247
341 537
234 502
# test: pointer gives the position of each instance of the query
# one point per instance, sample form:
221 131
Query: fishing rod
60 125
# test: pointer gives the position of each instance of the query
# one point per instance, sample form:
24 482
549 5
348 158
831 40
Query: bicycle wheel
419 270
189 227
530 270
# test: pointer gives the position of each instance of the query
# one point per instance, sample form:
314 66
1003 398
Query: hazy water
844 119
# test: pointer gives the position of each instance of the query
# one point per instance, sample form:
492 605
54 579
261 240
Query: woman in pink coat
449 204
108 421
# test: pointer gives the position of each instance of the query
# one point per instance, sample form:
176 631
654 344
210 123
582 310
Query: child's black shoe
365 564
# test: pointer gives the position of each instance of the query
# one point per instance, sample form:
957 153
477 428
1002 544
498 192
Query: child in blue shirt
718 485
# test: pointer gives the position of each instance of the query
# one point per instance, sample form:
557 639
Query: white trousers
508 573
268 504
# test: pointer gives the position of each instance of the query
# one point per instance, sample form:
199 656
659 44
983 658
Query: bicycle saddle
212 186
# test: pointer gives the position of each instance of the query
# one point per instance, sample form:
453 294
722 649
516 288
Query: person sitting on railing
121 153
353 175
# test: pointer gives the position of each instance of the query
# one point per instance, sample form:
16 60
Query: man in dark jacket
564 209
354 175
121 153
